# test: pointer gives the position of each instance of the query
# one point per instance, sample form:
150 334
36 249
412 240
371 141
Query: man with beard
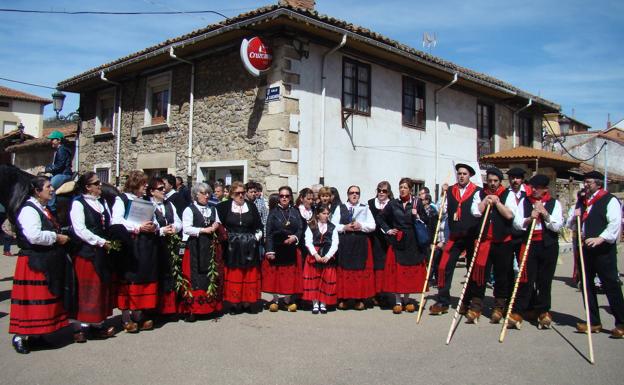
601 218
495 247
463 228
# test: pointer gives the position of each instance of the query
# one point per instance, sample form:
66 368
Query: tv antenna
430 40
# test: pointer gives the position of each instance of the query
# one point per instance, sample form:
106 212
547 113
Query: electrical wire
558 140
28 84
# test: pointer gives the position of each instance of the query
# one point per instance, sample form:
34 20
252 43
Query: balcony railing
484 147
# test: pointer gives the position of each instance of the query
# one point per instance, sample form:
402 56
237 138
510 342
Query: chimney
305 4
608 121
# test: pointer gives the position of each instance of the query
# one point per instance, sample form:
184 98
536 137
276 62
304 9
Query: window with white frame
105 112
157 99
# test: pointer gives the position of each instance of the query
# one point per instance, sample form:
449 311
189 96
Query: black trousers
602 261
500 259
466 243
540 268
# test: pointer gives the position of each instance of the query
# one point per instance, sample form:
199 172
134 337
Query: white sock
315 304
323 306
275 298
397 299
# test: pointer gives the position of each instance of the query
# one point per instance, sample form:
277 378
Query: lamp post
58 99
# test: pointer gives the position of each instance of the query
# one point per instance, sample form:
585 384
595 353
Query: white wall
30 114
385 149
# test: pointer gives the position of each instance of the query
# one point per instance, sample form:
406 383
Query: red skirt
199 303
34 310
241 285
319 283
137 296
168 303
379 275
283 280
94 297
357 284
403 279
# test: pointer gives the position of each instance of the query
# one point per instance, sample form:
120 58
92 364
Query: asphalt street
342 347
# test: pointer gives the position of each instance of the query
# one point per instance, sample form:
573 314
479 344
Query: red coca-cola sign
256 55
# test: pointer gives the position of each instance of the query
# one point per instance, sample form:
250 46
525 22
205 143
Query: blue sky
566 51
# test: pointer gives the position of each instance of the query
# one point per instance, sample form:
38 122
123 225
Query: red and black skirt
319 282
241 284
357 284
34 310
95 299
282 279
137 296
402 279
197 301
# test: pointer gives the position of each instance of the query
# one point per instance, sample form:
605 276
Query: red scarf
470 188
498 191
484 247
406 198
545 198
590 202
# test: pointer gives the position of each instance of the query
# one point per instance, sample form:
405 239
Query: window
413 102
356 80
8 127
485 129
157 99
5 105
103 173
105 112
526 131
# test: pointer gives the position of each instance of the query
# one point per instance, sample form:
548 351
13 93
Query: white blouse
309 239
30 221
78 219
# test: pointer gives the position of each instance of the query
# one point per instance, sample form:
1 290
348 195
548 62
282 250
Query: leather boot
544 320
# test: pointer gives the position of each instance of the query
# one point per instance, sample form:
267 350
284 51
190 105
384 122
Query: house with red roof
17 107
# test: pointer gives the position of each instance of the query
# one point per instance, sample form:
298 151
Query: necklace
286 220
240 213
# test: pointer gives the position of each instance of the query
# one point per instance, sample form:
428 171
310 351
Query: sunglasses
238 193
382 191
160 188
96 183
284 196
353 193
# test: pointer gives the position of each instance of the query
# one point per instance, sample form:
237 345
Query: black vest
96 223
168 218
501 227
596 221
549 237
201 249
49 260
323 242
468 223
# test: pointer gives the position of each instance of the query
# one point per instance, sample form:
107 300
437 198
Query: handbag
421 231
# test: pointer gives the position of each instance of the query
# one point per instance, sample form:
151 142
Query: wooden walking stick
433 245
583 277
512 300
472 262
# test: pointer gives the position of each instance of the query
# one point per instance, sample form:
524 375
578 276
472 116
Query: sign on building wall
256 55
272 94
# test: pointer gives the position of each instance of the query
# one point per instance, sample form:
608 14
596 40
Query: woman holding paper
138 289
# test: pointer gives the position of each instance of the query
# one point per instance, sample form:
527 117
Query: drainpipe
437 120
189 154
513 122
118 133
325 55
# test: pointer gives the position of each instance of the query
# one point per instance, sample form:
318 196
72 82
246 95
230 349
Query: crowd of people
204 253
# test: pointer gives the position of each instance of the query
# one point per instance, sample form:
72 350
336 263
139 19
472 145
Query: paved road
345 347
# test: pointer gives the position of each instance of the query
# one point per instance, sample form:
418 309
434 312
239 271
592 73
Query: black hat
470 169
593 175
539 180
495 171
516 171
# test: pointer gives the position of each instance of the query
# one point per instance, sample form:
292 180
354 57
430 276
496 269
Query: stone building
340 105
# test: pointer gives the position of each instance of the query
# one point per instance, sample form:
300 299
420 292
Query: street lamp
58 99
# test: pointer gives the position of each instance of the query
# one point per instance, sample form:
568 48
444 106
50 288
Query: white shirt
177 223
519 193
78 219
614 220
30 221
305 213
187 220
381 205
510 203
361 214
309 240
461 194
554 223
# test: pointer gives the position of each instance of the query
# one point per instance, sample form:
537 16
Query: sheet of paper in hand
139 211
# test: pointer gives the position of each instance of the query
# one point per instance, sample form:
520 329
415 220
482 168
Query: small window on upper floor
526 131
413 103
105 112
356 87
157 99
5 105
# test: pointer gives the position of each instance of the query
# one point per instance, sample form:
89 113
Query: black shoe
315 310
323 310
190 318
21 345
